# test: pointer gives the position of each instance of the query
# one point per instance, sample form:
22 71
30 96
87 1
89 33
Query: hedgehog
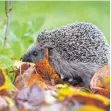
76 51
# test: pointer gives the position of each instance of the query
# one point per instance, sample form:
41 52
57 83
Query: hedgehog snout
25 58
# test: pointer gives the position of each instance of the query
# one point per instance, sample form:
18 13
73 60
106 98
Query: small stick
8 15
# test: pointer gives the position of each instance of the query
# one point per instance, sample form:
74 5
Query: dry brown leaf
23 67
101 78
21 80
30 98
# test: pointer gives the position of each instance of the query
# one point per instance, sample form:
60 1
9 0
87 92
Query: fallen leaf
21 69
91 99
65 91
59 86
30 98
104 82
21 80
9 101
46 71
36 78
90 108
4 92
101 78
83 98
5 82
101 91
54 107
3 104
50 97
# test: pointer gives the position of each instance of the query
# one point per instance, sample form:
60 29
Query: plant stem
8 10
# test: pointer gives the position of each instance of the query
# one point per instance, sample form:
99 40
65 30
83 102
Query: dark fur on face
33 54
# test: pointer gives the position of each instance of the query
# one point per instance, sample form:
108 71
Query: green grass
60 13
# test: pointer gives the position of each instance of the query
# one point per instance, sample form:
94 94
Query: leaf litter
39 88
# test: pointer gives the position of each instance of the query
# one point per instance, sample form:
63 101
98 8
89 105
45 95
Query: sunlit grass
60 13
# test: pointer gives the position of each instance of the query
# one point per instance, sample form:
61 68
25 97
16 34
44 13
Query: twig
8 15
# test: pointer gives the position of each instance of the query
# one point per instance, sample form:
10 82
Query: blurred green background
30 17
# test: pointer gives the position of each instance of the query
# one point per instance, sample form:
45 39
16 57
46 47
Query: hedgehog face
33 54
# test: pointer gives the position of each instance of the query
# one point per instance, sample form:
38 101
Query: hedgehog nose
25 59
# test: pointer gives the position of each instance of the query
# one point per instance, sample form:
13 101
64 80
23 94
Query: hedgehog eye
34 53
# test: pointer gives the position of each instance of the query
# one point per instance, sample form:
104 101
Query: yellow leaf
62 86
65 91
101 78
69 92
104 82
98 97
5 82
90 108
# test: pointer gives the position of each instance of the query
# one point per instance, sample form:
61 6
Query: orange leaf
101 91
36 78
45 70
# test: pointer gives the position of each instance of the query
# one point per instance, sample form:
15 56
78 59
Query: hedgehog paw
71 80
